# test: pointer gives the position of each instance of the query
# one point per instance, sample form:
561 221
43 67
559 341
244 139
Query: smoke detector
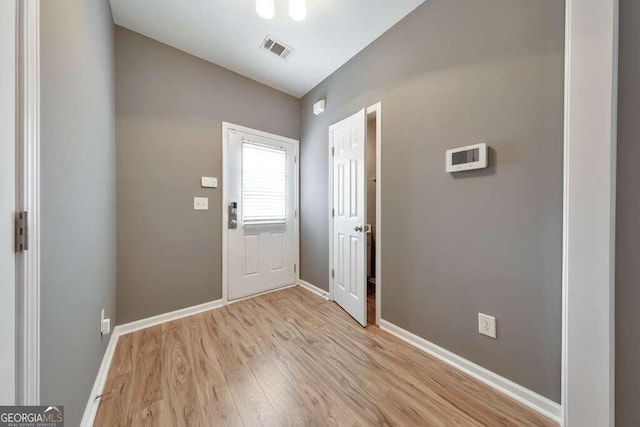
276 47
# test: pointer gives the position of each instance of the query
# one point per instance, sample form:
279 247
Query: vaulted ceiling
230 33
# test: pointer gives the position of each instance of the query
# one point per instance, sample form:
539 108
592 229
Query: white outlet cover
487 325
209 182
200 203
106 326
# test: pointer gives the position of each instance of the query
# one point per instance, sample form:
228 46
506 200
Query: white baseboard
168 317
316 290
523 395
92 405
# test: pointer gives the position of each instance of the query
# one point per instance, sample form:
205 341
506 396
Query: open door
348 141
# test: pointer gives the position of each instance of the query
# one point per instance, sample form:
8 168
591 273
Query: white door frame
588 281
28 199
371 110
8 185
226 127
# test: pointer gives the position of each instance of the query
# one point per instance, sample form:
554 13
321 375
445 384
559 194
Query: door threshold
262 293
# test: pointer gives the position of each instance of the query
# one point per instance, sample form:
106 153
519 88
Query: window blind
264 184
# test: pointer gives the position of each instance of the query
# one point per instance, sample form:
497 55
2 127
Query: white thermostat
467 158
208 182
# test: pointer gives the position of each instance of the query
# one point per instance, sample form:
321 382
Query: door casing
8 185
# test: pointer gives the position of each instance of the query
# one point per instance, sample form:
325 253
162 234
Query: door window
264 184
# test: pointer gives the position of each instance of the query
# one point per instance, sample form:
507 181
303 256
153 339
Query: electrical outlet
487 325
105 324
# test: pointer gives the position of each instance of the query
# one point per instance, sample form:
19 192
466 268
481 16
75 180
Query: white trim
377 109
523 395
226 127
136 325
330 212
313 288
9 83
588 306
91 408
28 263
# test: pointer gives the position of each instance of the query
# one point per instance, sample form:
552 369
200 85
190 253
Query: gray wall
170 109
78 197
628 220
452 73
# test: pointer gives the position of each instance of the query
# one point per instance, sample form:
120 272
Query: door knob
359 228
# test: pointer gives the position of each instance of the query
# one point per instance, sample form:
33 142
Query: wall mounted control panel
208 182
467 158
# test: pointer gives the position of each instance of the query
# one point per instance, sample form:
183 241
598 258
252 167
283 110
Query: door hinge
295 159
333 151
295 268
22 236
333 273
333 212
295 213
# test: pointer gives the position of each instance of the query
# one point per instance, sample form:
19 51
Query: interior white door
7 201
262 184
348 139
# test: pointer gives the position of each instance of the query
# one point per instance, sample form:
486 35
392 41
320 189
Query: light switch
209 182
200 203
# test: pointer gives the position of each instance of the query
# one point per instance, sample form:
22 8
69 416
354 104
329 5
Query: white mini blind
264 184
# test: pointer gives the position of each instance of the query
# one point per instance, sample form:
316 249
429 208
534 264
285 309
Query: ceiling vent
276 47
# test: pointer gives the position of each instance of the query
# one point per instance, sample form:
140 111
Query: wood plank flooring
290 358
371 303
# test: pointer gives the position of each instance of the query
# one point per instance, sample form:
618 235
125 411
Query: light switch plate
209 182
200 203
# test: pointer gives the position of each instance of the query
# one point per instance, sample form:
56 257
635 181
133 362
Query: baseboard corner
316 290
91 409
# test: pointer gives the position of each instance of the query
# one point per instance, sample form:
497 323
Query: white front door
261 198
348 141
7 201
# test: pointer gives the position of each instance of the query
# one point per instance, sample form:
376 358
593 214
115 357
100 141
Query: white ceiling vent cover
276 47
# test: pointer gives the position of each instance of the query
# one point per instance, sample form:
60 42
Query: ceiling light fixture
266 8
298 9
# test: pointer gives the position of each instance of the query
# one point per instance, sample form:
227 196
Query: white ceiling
229 33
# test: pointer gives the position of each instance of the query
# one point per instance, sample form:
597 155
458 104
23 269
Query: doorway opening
371 217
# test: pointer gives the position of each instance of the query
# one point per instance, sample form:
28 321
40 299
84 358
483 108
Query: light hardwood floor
290 358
